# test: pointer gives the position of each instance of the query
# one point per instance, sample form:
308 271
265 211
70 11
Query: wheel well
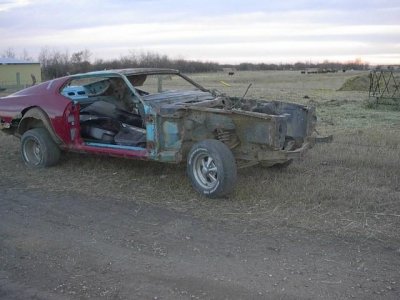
36 118
29 123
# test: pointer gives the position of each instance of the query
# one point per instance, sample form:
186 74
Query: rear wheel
212 168
38 150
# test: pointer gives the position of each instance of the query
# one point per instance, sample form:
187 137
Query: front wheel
212 168
38 150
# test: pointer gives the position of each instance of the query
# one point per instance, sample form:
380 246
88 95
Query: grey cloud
43 18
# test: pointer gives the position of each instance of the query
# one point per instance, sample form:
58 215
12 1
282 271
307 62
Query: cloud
225 31
7 5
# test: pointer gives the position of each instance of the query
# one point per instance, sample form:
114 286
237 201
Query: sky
225 31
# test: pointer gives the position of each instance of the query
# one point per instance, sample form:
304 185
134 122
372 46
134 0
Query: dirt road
71 246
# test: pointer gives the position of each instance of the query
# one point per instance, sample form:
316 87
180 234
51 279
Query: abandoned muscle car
156 114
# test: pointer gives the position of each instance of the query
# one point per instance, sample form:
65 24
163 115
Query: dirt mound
356 83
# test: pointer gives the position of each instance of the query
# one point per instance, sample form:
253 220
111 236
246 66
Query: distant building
19 73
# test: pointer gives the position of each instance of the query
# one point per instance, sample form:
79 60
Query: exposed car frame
136 113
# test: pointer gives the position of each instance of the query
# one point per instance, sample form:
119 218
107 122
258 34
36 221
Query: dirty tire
38 149
211 168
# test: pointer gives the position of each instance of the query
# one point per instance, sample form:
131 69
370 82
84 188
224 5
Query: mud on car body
156 114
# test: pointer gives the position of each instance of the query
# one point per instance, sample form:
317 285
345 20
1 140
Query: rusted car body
156 114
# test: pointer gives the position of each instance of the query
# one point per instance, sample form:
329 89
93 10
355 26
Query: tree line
357 64
56 63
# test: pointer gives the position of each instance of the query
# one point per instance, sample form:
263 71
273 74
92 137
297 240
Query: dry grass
350 187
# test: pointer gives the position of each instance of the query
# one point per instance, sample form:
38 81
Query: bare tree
9 53
25 56
54 63
80 61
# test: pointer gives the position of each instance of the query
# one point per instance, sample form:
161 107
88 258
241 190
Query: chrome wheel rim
32 152
205 171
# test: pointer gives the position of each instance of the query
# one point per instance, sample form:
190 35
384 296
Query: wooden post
18 75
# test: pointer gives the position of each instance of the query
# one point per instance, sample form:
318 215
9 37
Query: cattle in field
231 73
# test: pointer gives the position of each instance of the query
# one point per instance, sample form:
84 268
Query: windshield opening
159 83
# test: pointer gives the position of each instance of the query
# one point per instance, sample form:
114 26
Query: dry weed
348 187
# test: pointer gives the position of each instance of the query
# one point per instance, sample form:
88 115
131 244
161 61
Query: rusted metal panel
173 120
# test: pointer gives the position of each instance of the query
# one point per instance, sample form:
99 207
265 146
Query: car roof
128 72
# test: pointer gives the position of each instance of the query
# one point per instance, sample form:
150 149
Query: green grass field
350 187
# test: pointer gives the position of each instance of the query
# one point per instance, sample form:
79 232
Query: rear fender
36 117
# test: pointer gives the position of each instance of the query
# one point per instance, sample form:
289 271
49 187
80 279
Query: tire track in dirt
75 246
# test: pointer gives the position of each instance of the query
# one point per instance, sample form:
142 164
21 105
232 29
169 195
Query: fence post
18 75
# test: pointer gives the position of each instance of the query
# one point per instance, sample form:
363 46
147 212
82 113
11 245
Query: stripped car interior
156 114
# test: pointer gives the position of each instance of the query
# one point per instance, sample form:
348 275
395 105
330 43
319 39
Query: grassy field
350 187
